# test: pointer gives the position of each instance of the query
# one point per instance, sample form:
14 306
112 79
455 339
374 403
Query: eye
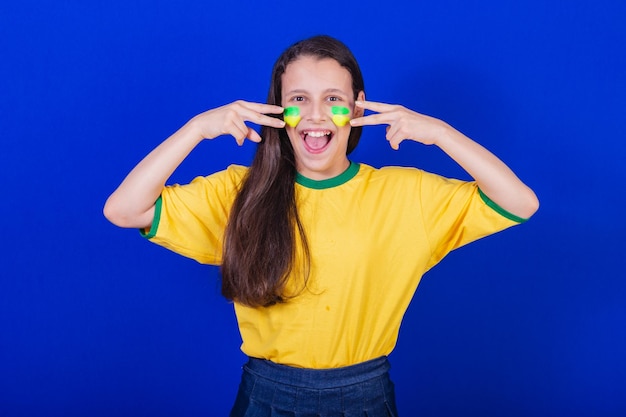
334 98
297 98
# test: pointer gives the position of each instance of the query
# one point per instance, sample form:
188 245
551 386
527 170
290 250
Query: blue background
96 321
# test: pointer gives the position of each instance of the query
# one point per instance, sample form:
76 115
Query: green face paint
341 115
292 116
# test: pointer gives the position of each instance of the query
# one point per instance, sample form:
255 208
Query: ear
359 111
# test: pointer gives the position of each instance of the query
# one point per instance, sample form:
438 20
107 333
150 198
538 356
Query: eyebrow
329 90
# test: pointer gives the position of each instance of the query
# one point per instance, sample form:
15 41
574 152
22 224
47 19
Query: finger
261 108
261 119
375 106
391 133
372 119
271 122
393 138
253 135
239 131
239 139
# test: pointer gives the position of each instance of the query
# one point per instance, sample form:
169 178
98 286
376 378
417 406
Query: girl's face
315 85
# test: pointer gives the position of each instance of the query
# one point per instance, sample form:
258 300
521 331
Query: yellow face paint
341 115
292 116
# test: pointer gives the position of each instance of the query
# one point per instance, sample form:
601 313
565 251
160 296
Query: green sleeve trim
499 209
155 221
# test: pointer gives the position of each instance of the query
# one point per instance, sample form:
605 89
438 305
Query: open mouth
316 141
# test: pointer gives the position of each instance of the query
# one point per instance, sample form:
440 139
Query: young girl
320 255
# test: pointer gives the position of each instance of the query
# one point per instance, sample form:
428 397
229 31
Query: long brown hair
261 236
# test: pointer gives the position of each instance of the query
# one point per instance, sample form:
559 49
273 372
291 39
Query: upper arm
144 222
116 214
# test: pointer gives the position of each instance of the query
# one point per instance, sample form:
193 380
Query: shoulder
237 170
409 174
234 175
390 173
410 180
223 182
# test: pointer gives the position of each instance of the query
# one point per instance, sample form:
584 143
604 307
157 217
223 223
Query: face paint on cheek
341 115
292 116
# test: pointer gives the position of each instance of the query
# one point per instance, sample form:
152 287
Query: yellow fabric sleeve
190 219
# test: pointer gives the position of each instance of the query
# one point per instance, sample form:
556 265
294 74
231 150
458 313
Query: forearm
493 176
132 203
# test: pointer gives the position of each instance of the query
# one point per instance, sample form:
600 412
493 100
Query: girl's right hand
230 120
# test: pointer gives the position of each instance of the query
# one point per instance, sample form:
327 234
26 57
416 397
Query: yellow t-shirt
372 234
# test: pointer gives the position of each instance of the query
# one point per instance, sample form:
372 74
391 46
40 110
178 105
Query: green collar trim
340 179
499 209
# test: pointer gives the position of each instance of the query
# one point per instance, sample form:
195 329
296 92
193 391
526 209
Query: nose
317 112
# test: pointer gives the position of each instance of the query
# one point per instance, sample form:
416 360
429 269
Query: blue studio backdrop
96 321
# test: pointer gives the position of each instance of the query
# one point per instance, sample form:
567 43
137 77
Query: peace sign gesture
230 120
402 123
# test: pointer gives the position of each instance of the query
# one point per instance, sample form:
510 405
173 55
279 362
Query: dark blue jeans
268 389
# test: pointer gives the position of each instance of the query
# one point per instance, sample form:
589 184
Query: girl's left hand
403 123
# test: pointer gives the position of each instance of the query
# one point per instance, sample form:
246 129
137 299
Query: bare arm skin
132 203
493 176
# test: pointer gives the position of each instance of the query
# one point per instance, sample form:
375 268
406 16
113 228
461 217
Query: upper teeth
317 134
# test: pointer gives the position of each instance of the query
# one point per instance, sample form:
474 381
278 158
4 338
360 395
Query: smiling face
316 85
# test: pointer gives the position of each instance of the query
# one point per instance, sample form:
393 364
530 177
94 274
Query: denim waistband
318 378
